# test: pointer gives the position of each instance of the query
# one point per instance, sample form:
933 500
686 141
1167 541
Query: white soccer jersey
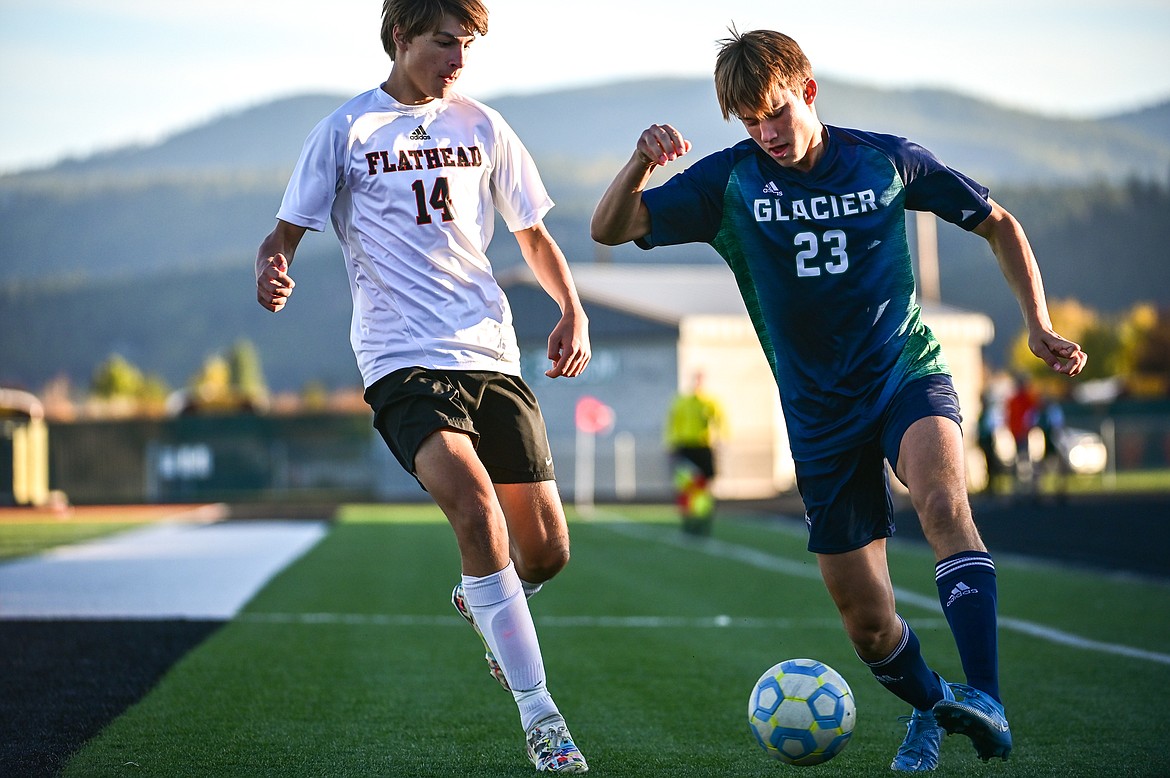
411 191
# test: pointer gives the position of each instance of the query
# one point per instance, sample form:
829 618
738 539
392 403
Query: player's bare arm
620 216
1018 264
568 344
273 283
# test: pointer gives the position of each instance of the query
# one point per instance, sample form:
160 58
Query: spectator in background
1050 420
1022 408
991 421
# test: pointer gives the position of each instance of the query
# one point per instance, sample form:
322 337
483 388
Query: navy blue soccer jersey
822 261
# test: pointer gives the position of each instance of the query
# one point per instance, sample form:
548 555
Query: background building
652 327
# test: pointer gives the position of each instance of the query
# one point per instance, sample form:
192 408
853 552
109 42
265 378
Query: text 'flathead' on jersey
814 208
424 159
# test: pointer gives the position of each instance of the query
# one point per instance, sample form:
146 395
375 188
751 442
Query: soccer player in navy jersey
811 220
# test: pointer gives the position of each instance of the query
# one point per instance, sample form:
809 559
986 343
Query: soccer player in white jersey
811 220
410 174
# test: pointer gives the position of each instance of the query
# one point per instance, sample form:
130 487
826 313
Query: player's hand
1058 353
273 283
661 143
568 347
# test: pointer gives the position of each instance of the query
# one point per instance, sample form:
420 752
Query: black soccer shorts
497 411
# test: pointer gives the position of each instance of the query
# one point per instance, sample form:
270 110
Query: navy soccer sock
904 672
966 589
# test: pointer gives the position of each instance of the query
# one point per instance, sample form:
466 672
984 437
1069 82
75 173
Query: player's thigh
932 455
537 527
932 465
446 464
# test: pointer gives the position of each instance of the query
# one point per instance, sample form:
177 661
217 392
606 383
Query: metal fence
341 457
321 457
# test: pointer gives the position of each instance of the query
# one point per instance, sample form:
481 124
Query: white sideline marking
765 561
161 571
1068 639
589 622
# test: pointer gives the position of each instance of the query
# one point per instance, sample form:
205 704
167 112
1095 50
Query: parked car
1082 451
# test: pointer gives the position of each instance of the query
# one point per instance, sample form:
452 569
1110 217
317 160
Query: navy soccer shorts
847 495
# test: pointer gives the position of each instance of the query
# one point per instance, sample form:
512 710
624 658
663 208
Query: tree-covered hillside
148 252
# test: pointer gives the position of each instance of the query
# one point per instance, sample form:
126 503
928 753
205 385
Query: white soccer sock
530 588
501 611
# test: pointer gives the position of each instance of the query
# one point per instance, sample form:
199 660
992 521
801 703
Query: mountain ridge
269 135
120 250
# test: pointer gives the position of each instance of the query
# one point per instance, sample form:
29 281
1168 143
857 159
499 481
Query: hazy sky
83 75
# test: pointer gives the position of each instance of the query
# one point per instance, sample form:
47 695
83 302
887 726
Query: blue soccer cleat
979 716
919 751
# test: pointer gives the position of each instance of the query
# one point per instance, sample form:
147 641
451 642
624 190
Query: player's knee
541 565
873 639
942 506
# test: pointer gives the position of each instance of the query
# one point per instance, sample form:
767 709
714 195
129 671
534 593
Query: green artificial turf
25 538
352 662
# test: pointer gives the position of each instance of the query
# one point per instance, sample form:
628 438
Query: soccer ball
801 712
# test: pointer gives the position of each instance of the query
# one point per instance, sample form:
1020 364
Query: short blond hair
751 67
418 17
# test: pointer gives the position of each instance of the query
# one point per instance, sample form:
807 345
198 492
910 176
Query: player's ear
810 91
399 36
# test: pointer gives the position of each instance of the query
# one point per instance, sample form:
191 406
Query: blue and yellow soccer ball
801 712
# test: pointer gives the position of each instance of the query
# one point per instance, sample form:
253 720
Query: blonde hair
418 17
751 67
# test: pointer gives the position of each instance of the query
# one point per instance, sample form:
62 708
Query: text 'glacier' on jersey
814 208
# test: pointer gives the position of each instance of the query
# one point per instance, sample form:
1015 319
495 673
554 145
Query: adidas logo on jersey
772 189
418 134
960 590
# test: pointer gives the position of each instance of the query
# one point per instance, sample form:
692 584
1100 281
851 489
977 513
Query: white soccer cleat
552 750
